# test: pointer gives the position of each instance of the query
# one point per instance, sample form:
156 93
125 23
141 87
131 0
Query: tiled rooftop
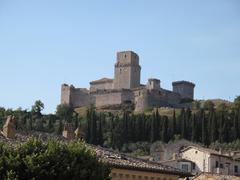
119 160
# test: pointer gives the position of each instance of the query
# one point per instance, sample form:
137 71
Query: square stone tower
127 70
184 88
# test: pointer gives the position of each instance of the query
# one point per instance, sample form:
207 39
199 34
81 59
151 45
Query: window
185 167
236 169
217 164
193 166
221 166
196 152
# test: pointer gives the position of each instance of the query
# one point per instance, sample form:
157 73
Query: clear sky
44 43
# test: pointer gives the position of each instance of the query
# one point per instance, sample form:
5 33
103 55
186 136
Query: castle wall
170 98
141 100
108 98
146 98
75 97
65 94
101 86
81 97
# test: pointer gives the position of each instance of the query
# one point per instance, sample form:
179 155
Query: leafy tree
221 107
196 105
37 160
208 105
237 102
37 108
65 112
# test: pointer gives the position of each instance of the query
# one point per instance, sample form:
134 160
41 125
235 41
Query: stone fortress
126 88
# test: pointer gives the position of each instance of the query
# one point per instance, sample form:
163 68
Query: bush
52 160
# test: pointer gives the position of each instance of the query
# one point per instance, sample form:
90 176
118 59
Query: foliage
65 112
208 105
51 160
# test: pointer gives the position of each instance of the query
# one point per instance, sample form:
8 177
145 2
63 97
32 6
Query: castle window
221 166
120 71
125 55
236 169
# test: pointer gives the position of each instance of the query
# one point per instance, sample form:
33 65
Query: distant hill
216 102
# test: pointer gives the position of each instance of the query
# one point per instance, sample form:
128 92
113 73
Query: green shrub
52 160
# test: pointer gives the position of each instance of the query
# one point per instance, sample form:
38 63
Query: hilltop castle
126 87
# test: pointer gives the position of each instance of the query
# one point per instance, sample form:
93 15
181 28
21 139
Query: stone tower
127 70
184 88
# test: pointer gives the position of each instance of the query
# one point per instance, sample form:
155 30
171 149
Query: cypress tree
158 125
100 133
188 115
174 130
238 121
183 124
235 126
194 129
60 127
213 128
153 128
111 129
93 128
204 135
221 128
165 129
88 125
125 127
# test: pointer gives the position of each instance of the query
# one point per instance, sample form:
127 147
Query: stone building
211 161
126 87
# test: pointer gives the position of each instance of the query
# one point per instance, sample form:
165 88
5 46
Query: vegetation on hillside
208 124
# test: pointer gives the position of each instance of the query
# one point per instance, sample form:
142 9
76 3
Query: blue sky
44 43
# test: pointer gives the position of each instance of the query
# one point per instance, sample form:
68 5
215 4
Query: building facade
126 87
211 161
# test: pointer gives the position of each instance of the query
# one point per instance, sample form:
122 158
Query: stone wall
170 98
141 100
75 97
184 88
115 97
101 86
81 97
65 94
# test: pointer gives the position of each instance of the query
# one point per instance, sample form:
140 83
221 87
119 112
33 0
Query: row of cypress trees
204 126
